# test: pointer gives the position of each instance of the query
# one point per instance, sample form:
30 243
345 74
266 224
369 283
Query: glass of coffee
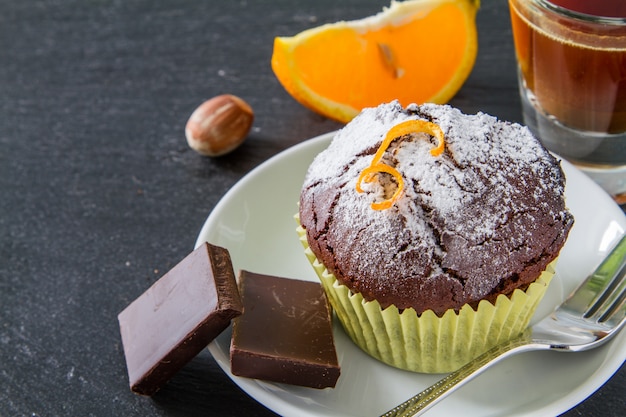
571 57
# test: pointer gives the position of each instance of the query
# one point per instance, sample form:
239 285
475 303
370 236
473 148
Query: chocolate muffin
407 227
482 219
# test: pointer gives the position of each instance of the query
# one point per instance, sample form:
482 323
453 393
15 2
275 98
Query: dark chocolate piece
178 316
285 332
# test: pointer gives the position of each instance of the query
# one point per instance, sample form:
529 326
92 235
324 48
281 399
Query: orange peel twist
376 166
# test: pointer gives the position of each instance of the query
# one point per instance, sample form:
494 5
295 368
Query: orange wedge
415 51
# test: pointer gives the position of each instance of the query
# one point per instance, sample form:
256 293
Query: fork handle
421 402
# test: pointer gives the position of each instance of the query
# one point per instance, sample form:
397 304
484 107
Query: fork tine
617 313
611 306
594 296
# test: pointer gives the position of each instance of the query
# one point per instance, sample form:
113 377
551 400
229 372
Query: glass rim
585 17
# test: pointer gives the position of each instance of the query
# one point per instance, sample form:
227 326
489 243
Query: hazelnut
219 125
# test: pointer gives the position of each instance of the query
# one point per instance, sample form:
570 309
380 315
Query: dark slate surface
100 195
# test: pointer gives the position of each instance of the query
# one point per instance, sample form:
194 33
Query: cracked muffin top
484 217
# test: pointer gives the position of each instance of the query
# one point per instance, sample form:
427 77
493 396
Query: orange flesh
382 55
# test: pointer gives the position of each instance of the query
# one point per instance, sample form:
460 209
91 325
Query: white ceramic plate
254 220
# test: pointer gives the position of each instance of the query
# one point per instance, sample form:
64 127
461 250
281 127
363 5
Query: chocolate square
178 316
285 332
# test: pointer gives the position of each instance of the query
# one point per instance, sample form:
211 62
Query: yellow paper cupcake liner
428 343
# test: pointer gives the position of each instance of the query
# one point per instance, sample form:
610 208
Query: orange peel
376 166
367 175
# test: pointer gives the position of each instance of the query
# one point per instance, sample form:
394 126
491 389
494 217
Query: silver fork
589 317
